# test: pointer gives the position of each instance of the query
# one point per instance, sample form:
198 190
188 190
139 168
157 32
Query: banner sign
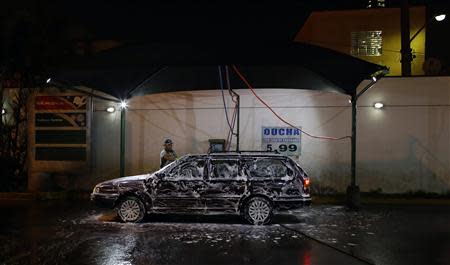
61 102
60 123
60 120
285 140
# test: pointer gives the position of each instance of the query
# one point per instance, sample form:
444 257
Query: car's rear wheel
131 209
258 211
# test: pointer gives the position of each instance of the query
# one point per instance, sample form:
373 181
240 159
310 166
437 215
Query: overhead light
440 17
378 105
123 104
110 109
374 78
48 80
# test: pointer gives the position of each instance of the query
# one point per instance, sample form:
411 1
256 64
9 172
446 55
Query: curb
28 196
384 200
17 196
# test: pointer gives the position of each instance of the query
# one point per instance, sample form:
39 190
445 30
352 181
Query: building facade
373 35
403 147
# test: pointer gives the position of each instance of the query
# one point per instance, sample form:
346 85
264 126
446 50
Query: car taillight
306 182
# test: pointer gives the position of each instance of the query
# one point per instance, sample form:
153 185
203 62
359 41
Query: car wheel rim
259 211
130 210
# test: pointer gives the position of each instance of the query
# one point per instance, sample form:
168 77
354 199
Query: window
367 43
376 3
189 170
224 169
266 168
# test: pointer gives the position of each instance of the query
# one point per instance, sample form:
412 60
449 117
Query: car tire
258 211
131 210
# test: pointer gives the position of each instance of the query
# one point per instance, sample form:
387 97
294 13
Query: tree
13 138
28 46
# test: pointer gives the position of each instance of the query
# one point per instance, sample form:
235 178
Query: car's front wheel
131 209
258 211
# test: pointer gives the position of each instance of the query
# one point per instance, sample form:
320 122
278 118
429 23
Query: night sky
51 30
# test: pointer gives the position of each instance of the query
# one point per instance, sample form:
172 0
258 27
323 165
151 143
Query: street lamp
123 104
110 109
378 105
438 18
406 51
353 193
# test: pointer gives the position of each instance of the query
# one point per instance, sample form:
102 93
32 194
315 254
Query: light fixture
350 101
440 17
374 78
110 109
378 105
3 111
123 104
48 80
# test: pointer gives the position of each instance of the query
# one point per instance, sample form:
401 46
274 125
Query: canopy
155 68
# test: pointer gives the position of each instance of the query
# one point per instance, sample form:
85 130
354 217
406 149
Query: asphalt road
78 233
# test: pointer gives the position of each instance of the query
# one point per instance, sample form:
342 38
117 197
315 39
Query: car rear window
268 168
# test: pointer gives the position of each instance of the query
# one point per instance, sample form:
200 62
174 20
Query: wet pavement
78 233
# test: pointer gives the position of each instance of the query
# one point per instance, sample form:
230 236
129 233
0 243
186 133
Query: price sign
285 140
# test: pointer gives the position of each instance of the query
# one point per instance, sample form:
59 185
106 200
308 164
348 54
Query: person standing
167 155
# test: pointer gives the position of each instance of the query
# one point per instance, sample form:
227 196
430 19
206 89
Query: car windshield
169 166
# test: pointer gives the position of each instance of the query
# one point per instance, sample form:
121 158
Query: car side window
268 168
224 169
188 170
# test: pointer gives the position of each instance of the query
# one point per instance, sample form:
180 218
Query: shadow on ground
207 219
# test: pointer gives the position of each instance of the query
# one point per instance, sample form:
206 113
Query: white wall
406 145
403 147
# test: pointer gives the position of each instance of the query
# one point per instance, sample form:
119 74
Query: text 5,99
281 148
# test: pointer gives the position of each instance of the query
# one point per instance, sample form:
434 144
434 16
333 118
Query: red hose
247 83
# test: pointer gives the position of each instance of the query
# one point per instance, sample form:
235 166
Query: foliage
13 138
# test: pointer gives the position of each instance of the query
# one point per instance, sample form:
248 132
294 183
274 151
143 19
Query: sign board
285 140
61 102
60 119
61 127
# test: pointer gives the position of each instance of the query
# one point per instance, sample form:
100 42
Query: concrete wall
402 147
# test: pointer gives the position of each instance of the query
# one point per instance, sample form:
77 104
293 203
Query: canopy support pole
354 120
122 142
238 119
353 192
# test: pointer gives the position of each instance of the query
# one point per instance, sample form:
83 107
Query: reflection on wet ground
78 233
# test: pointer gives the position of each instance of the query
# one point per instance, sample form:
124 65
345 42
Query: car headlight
96 189
106 189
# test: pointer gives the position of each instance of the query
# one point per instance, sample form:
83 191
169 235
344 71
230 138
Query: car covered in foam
254 185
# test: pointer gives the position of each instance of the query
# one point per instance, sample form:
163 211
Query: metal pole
122 142
353 165
405 39
353 194
417 33
238 118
